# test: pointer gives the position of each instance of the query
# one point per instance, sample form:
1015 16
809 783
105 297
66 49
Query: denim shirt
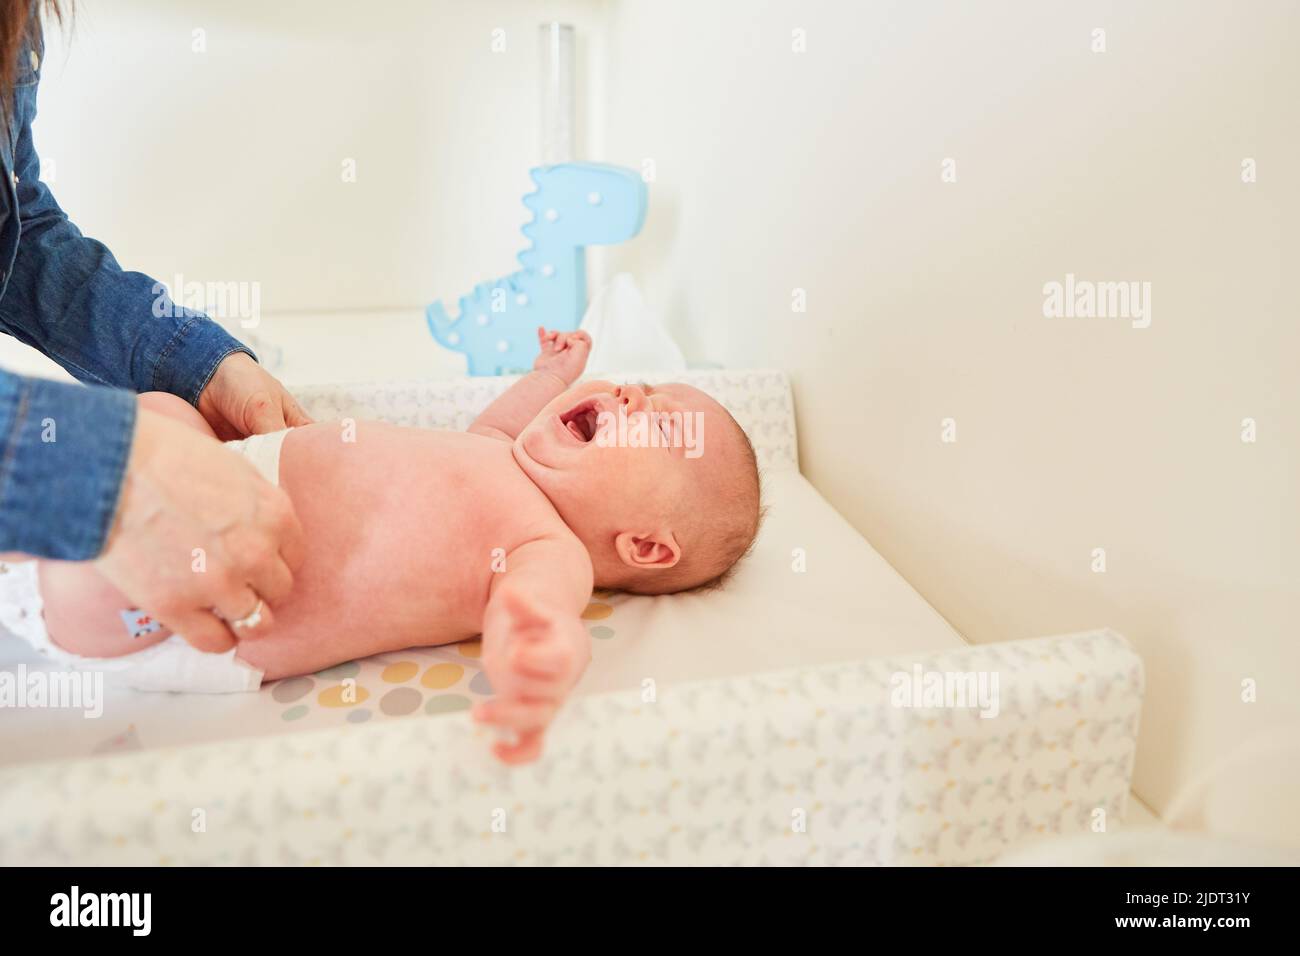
63 447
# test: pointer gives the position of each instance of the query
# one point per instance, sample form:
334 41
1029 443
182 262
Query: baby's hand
563 354
532 660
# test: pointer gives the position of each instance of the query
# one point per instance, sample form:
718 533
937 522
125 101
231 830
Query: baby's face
615 458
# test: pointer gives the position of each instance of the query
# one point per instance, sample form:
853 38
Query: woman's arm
67 296
63 451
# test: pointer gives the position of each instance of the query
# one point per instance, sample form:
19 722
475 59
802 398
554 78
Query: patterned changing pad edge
823 765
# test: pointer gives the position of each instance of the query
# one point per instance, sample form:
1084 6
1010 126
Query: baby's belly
328 623
384 567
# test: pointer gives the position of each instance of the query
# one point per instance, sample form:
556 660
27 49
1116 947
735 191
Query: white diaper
263 451
170 665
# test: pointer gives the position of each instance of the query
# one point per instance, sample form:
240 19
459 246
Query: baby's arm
564 356
534 645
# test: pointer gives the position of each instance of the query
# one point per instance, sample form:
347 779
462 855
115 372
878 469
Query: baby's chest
433 550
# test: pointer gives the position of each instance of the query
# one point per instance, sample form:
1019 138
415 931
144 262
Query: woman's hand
198 530
244 399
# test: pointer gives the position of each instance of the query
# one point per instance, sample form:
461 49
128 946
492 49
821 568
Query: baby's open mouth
581 420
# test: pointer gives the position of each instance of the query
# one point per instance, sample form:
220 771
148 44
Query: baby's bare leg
84 614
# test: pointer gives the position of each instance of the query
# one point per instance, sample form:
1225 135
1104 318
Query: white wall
821 171
226 165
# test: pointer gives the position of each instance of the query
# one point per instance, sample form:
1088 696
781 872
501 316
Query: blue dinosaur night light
574 205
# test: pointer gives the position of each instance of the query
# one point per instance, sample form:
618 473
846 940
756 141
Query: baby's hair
718 582
721 581
726 547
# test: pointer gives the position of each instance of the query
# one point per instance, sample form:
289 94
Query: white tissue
625 334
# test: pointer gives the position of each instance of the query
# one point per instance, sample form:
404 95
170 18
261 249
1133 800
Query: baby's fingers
515 714
575 340
538 659
517 683
526 748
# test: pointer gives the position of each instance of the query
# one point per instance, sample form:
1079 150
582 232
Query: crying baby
418 537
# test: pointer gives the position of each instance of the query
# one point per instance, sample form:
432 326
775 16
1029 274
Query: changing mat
760 723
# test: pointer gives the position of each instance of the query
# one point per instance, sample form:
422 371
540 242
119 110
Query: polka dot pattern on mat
400 701
287 691
597 611
343 695
446 704
341 672
400 673
442 676
433 680
602 633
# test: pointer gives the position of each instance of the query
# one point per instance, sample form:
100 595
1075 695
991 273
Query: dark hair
20 23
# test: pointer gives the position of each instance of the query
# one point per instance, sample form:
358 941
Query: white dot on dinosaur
548 270
521 299
552 215
593 198
482 320
503 346
454 338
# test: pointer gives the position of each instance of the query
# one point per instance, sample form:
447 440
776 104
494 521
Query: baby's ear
648 549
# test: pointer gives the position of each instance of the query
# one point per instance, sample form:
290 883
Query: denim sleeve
66 295
64 449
